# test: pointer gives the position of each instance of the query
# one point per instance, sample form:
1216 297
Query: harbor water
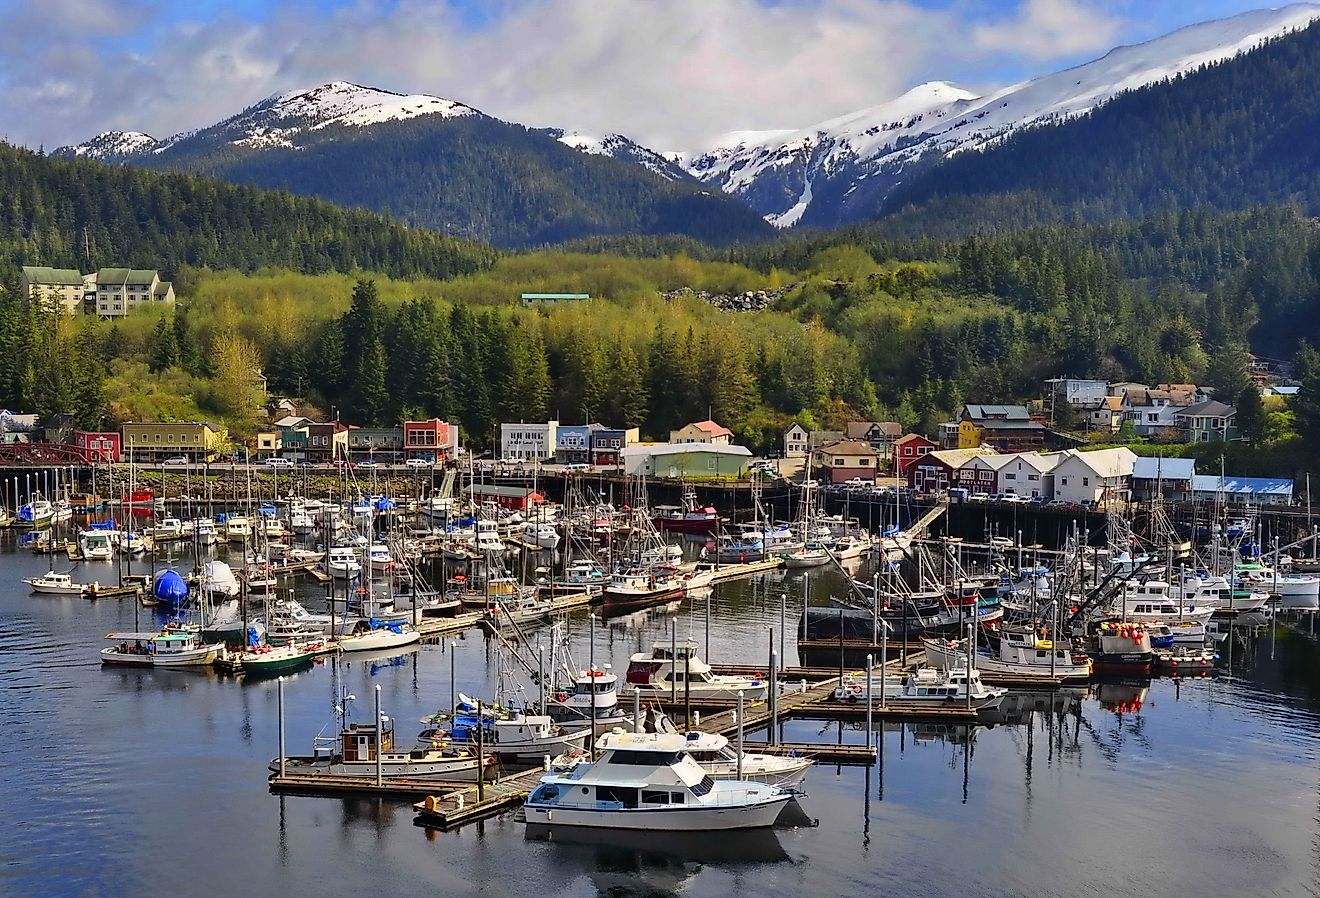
153 783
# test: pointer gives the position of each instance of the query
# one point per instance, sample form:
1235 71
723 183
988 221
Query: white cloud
1049 29
671 73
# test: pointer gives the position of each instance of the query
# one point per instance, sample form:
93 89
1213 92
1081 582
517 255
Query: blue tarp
170 587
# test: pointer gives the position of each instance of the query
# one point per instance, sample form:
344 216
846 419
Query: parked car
175 460
858 482
979 497
344 463
276 461
418 463
368 464
1013 499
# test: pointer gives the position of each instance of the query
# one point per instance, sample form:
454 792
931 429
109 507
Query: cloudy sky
673 73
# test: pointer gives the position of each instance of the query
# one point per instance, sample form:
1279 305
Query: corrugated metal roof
1150 468
1256 486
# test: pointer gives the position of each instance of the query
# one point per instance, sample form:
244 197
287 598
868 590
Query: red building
100 445
908 449
944 469
515 498
431 440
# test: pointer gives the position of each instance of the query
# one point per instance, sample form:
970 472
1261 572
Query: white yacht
488 539
96 545
380 559
720 759
301 522
238 528
1295 591
649 781
55 584
342 562
204 532
1150 602
541 533
678 670
168 528
366 638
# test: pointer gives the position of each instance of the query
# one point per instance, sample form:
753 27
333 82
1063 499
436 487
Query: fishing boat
593 690
138 498
514 737
926 688
55 584
720 759
300 522
168 648
639 586
168 528
583 575
36 513
650 781
365 749
380 559
1117 647
1020 653
488 540
1295 591
690 517
671 669
371 634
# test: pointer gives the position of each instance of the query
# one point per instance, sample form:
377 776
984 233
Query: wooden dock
390 787
431 627
723 573
459 807
103 591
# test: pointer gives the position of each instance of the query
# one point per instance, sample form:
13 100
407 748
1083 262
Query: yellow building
194 440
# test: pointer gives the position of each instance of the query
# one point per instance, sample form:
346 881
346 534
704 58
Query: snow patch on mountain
110 146
939 117
625 149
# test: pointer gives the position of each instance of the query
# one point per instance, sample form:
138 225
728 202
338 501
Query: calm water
154 783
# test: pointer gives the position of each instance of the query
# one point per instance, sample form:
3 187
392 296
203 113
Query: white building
795 442
1075 391
1104 475
528 442
1029 474
60 289
121 290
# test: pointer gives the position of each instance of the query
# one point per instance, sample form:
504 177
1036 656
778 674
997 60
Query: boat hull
672 819
202 657
378 639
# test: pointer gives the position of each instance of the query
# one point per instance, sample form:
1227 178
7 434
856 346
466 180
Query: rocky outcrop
751 301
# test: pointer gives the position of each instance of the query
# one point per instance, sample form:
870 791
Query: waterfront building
194 440
1242 490
845 460
369 441
1095 478
702 432
795 441
1167 477
326 441
528 441
938 470
910 447
100 445
1208 421
430 440
687 461
514 498
608 442
880 435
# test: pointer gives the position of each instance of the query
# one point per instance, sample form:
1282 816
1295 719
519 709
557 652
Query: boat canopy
102 525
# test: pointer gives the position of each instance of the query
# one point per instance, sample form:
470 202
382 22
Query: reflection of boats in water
1018 707
1123 696
656 850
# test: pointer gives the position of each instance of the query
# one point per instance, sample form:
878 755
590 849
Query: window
1010 477
1086 481
649 797
644 758
704 786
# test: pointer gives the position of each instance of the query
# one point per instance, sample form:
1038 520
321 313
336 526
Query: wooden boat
924 689
272 659
1020 653
354 753
638 587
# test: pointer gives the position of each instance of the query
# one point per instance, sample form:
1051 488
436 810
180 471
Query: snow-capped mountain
111 146
810 175
625 149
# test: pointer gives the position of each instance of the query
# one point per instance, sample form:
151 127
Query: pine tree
1252 419
164 353
631 396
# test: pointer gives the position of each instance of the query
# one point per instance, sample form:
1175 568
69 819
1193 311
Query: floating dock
462 806
391 786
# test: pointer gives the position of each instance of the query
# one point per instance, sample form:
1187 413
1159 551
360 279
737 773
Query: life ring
561 696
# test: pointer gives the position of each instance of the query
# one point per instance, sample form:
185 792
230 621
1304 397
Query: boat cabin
358 742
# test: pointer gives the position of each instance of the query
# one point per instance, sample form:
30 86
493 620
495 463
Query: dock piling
380 741
868 700
740 733
279 705
637 710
